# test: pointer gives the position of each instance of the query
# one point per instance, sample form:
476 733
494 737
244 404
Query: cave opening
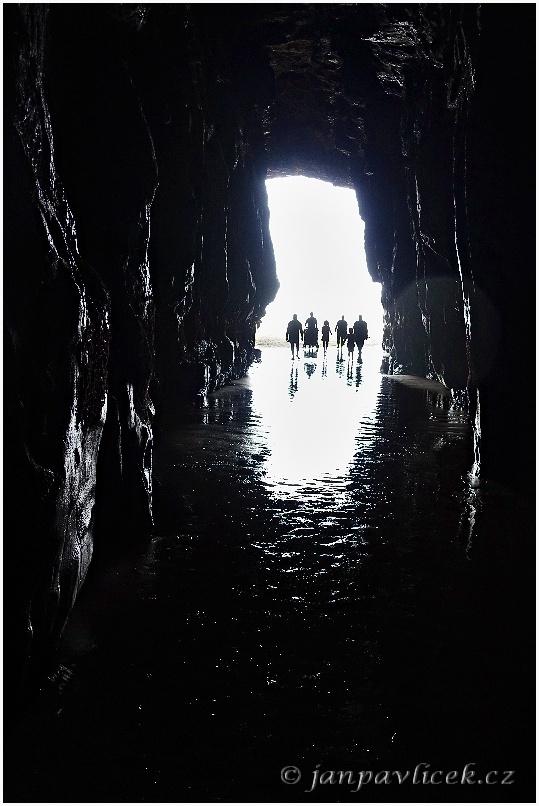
318 239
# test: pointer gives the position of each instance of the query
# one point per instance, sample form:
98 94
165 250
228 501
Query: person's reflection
339 366
324 367
309 368
358 375
293 385
349 373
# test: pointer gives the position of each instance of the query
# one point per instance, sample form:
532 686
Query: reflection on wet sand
320 590
314 424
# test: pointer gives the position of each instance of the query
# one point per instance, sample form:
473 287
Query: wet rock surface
307 600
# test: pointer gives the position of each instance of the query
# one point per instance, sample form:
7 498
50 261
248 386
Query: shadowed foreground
324 590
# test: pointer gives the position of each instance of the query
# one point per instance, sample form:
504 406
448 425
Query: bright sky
317 236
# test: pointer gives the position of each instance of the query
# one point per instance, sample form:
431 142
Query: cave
138 260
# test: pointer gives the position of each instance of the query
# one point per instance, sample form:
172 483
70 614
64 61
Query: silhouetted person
311 321
310 337
326 331
351 343
341 329
293 332
360 332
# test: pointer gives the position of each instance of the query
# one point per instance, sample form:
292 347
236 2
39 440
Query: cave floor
324 591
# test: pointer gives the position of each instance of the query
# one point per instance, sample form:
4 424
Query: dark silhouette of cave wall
501 212
137 265
137 256
446 185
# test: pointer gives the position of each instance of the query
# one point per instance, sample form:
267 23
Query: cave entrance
318 239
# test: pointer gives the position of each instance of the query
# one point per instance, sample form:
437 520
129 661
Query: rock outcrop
138 260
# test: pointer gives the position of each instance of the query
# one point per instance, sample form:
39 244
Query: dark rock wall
137 266
212 260
457 286
57 319
501 213
137 257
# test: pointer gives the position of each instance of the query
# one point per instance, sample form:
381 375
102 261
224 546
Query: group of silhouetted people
353 337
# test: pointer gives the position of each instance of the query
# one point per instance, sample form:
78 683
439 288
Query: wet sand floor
324 590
